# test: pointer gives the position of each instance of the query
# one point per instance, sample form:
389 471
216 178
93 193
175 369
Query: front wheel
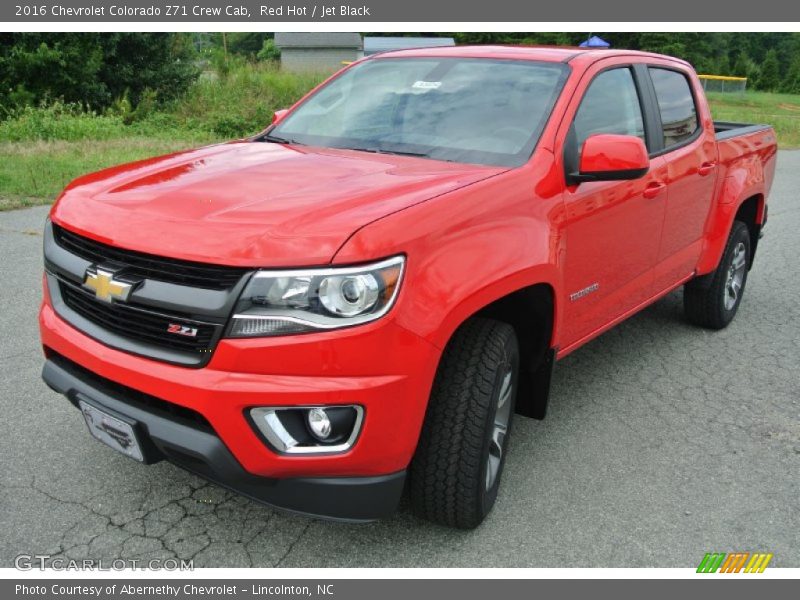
455 473
712 302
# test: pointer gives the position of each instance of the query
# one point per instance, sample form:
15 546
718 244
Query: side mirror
609 157
278 115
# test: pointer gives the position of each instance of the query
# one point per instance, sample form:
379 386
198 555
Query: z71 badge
182 330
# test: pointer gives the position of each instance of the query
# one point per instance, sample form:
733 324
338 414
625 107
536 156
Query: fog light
308 430
319 424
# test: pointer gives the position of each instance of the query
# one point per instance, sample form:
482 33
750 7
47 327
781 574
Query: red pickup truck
358 299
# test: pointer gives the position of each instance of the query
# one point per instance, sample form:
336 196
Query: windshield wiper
374 150
279 140
405 153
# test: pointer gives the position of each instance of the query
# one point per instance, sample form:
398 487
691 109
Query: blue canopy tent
595 42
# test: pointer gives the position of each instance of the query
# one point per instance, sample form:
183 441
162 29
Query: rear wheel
455 473
713 300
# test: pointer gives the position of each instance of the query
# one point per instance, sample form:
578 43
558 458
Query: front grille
139 265
130 396
138 324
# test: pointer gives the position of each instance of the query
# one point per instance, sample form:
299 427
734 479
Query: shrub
214 107
60 121
93 68
269 51
243 102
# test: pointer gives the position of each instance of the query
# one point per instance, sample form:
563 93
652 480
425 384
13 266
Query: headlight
299 301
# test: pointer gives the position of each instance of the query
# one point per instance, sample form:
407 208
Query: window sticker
427 85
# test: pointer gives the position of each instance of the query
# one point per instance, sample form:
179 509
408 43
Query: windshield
464 110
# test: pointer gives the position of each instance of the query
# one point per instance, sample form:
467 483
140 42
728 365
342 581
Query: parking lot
663 442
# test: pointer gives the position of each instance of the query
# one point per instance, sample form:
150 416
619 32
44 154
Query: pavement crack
293 544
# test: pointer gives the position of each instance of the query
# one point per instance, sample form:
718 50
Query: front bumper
380 366
199 450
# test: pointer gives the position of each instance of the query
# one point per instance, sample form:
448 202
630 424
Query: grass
43 149
40 153
782 111
35 172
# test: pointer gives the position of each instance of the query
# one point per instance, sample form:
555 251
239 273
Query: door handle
654 189
706 168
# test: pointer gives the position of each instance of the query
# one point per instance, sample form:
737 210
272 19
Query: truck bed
729 129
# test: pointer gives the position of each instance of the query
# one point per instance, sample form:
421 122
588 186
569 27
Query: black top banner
366 11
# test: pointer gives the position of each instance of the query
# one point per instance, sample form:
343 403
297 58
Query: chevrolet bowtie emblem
105 287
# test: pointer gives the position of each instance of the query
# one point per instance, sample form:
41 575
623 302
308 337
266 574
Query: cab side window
610 105
676 105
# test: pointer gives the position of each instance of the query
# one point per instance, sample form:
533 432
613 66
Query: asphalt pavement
663 442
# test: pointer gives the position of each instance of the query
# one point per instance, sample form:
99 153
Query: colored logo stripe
758 563
734 562
711 562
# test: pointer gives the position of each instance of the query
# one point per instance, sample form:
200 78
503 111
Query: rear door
612 228
689 149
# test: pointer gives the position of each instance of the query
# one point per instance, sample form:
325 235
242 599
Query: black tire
448 477
707 300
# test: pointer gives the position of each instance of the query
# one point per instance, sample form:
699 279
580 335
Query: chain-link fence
723 83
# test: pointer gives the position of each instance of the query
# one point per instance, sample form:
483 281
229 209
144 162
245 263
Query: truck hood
252 203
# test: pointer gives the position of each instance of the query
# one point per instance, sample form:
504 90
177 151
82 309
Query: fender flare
469 306
737 187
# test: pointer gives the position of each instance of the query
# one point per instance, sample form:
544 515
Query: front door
612 228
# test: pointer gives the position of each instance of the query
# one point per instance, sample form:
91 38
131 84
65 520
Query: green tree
742 65
160 62
723 65
247 43
40 67
93 69
770 79
791 83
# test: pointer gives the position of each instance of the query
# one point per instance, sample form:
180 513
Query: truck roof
537 53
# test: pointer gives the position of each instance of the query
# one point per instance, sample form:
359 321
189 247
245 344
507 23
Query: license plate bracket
113 429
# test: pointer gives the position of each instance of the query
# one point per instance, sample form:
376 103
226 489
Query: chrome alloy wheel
733 285
500 427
